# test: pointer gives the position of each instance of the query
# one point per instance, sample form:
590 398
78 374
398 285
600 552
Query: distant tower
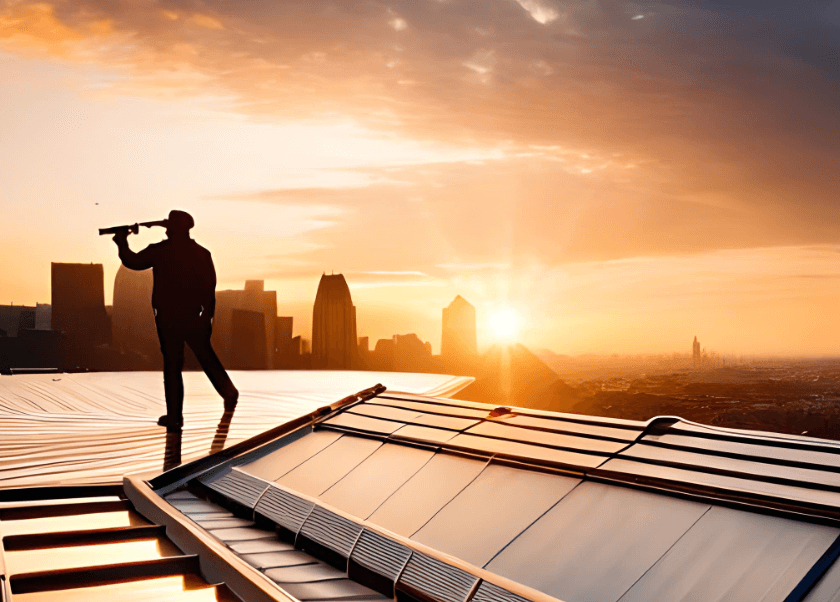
133 317
458 339
334 344
695 353
78 302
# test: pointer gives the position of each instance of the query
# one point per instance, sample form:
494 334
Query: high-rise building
334 344
696 354
253 297
458 340
78 303
132 316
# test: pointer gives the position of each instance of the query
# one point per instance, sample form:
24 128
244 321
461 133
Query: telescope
132 229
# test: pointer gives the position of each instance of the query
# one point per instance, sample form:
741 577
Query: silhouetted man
184 301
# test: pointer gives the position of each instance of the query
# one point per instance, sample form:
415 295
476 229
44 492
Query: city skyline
132 327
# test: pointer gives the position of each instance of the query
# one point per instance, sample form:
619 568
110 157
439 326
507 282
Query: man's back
184 276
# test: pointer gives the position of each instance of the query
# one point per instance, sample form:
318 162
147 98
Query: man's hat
180 220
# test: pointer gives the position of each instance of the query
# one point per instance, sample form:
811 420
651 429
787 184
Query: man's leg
172 347
199 342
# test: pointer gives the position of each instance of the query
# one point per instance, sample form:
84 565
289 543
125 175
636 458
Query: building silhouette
696 354
283 352
411 354
78 303
43 316
132 316
458 340
248 334
252 298
14 319
334 344
383 354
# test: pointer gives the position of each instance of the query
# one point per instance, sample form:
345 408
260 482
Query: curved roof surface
89 428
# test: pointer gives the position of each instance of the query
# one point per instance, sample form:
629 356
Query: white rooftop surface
93 428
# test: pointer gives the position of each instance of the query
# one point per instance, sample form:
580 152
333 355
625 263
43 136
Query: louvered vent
380 555
487 592
240 487
285 509
331 531
436 579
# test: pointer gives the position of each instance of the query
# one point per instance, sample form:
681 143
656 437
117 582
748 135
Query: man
184 301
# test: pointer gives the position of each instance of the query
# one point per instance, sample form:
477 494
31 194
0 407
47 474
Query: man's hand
121 237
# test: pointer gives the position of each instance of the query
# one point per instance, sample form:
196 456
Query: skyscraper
334 344
253 297
78 302
133 317
458 340
695 353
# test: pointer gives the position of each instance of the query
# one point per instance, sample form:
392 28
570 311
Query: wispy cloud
541 11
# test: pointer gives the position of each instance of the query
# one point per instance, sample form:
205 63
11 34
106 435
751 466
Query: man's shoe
173 425
230 402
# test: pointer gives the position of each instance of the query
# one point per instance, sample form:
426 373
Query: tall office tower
78 302
458 341
133 318
695 353
334 344
253 297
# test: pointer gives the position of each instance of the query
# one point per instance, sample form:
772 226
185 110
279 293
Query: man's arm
133 261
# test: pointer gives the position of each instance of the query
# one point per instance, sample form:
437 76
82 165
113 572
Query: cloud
398 24
678 116
542 12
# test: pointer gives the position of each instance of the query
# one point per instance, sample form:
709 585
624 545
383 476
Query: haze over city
600 171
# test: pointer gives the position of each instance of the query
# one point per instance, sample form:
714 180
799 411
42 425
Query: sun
504 323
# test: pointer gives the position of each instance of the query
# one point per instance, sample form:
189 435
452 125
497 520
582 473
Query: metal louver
284 508
380 555
240 487
487 592
331 531
437 580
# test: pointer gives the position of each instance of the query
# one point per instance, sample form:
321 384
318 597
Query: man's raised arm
133 261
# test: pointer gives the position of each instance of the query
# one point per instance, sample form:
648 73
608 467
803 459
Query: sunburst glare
505 324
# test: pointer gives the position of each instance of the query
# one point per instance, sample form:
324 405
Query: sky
622 176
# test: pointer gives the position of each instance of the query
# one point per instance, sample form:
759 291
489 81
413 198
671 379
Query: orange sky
624 175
